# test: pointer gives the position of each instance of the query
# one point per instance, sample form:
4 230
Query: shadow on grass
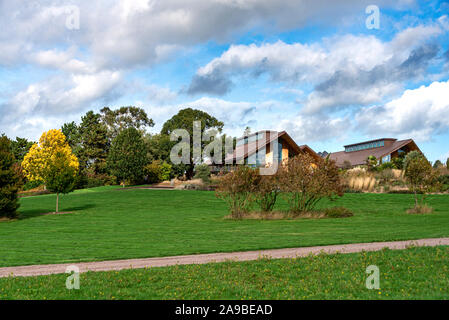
26 214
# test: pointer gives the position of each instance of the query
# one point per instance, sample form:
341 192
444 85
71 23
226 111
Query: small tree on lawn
127 156
305 181
236 188
266 192
9 181
420 176
52 162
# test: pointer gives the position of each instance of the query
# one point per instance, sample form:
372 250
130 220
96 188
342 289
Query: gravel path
35 270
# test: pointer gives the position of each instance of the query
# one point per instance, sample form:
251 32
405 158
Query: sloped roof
246 150
359 157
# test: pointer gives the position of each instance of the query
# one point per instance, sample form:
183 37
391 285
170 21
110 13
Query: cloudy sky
312 68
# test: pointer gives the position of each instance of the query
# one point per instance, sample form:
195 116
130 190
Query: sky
330 73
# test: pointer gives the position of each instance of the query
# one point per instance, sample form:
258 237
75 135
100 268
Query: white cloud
417 114
345 70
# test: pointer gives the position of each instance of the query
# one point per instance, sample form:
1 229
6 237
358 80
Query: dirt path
35 270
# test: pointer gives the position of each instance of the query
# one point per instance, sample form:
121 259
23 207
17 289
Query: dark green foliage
127 156
386 165
89 142
202 172
184 120
125 118
20 148
447 163
72 136
338 212
371 163
9 181
158 146
437 164
444 182
399 161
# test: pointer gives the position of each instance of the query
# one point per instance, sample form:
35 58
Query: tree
127 156
52 162
72 135
305 181
237 189
158 147
419 176
447 163
95 144
9 181
202 172
437 164
20 148
267 190
371 163
184 119
125 118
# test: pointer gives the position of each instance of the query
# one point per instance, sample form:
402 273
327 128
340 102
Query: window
387 158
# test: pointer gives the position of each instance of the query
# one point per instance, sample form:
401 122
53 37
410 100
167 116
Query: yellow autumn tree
52 162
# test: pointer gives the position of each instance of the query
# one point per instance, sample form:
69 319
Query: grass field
114 224
416 273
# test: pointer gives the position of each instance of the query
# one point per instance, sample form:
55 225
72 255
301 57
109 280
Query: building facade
384 149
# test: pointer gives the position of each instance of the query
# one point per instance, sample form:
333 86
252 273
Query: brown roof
246 150
359 157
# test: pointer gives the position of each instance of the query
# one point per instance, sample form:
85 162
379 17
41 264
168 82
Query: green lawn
416 273
114 224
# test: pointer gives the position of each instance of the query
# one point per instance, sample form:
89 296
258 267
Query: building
383 149
257 149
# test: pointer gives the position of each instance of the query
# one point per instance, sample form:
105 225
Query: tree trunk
57 202
416 200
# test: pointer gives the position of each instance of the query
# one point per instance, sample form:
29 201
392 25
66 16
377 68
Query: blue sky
312 68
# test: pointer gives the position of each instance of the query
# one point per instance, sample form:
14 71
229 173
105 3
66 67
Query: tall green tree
127 156
20 148
72 134
124 118
9 180
184 119
94 143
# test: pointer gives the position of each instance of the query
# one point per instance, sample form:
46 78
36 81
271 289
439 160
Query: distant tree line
114 147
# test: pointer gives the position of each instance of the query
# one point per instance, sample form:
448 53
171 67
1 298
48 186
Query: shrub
158 171
31 185
266 192
9 181
420 209
202 172
338 212
237 188
305 181
444 182
386 165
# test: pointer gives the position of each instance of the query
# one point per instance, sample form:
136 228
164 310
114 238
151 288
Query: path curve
35 270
